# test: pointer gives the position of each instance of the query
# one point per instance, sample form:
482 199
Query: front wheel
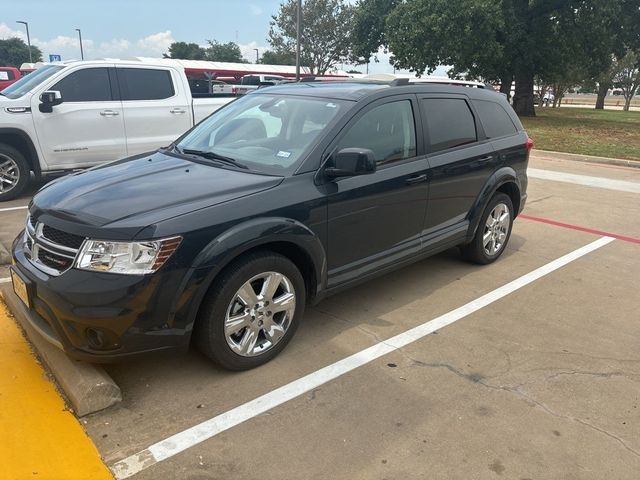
492 233
14 173
252 311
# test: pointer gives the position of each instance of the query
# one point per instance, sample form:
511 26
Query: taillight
529 145
234 90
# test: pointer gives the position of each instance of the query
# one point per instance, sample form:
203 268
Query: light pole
257 57
28 38
298 23
80 37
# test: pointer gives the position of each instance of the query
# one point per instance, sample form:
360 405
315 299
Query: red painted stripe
580 229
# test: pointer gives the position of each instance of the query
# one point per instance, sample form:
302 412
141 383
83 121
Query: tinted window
6 75
251 80
145 84
450 123
495 119
388 130
88 85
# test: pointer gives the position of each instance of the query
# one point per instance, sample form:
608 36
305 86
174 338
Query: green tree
499 40
185 51
224 52
14 52
325 37
272 57
628 77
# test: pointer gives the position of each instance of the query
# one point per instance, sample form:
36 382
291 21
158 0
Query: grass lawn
604 133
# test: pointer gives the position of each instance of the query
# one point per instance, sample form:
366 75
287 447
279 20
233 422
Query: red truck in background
8 75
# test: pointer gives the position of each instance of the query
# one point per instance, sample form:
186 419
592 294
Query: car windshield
267 133
26 84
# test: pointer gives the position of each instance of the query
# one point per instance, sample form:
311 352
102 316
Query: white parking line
587 180
5 280
199 433
8 209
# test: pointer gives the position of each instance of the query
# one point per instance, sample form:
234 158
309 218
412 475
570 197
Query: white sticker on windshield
283 154
331 105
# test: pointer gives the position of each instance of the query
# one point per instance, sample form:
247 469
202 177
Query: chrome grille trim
35 242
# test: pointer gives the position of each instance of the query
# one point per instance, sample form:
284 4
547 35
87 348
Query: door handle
486 158
109 113
417 179
177 111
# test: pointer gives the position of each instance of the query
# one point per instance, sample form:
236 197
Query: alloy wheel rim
9 173
496 229
260 314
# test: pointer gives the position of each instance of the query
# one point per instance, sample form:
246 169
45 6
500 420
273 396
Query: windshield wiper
212 156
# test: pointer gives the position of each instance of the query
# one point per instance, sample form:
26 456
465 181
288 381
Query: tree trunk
627 103
523 98
505 85
603 88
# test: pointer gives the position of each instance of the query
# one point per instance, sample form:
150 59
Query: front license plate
20 288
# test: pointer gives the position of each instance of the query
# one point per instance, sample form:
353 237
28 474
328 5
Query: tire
14 173
481 250
249 341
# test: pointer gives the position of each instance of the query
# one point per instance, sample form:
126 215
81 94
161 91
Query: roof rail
395 80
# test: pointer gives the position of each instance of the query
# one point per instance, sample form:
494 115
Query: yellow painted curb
39 438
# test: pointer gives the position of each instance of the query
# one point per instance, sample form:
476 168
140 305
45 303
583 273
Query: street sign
55 58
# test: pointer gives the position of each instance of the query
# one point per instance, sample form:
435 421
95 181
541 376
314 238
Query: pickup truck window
145 84
450 123
494 118
27 83
87 85
388 130
264 132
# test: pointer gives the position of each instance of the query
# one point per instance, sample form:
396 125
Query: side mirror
350 162
49 99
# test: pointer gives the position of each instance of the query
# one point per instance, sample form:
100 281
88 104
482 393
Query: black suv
277 200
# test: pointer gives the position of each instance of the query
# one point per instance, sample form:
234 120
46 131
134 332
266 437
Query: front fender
229 245
500 177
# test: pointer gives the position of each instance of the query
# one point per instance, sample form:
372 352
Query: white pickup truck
67 116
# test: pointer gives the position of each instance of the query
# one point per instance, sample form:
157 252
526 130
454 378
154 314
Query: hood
131 194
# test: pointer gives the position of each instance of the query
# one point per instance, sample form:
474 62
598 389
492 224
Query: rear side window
251 80
494 118
145 84
6 75
388 130
450 123
87 85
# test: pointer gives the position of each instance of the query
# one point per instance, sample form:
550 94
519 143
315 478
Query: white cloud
153 45
255 10
248 50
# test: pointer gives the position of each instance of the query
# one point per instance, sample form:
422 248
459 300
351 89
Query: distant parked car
253 82
546 100
8 75
616 91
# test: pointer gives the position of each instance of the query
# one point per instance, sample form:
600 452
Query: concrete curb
88 387
5 256
549 154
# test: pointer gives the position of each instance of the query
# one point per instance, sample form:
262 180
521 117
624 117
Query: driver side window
388 130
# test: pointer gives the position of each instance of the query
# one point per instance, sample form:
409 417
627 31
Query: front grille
51 250
62 238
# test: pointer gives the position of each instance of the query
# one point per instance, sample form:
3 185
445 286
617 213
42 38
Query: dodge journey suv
275 201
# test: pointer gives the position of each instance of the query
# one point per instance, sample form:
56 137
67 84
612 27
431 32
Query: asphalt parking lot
537 381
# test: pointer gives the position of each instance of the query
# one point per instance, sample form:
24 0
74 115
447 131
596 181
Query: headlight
128 258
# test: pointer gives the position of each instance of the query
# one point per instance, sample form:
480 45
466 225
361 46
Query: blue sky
121 28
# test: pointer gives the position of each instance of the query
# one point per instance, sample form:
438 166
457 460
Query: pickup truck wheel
251 312
493 231
14 173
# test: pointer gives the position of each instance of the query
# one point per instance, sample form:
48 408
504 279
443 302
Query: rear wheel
251 311
493 231
14 173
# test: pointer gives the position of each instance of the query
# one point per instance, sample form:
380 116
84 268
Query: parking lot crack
629 376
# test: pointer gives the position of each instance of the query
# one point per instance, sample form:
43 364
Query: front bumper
102 317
